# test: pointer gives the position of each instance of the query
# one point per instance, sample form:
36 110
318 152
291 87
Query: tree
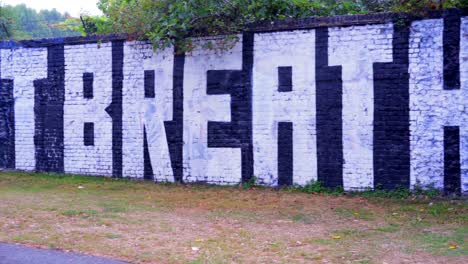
6 19
175 22
169 22
22 22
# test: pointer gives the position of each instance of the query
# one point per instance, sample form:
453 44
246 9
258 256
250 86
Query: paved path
15 254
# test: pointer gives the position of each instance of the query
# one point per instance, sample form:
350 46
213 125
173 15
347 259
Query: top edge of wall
259 27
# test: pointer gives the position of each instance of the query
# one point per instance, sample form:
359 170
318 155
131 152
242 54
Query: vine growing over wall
170 22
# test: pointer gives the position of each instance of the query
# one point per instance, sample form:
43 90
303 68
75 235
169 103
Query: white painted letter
23 66
201 163
95 59
431 107
140 112
356 49
270 106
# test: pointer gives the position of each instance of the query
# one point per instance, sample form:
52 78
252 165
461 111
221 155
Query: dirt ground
143 222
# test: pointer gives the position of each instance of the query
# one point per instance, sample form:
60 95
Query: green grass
390 228
114 207
362 214
348 233
315 187
322 241
146 222
439 243
305 218
438 210
113 236
81 213
378 192
54 180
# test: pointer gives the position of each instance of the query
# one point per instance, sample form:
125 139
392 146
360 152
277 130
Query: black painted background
49 98
7 127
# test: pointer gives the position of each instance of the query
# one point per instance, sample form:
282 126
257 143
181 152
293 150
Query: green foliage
412 6
252 182
378 192
94 25
423 6
88 25
399 193
5 25
402 193
429 190
169 22
21 22
316 187
175 22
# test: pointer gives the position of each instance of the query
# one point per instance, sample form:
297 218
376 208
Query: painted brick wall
353 101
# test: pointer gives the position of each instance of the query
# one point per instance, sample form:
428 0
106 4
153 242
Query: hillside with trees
22 22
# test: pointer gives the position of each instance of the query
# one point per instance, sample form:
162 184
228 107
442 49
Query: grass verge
143 222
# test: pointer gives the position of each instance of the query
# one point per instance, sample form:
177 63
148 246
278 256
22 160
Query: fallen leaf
453 246
336 237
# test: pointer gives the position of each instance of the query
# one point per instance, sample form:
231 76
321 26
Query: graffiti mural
356 102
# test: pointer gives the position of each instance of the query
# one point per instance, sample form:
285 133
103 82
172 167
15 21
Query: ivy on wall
169 22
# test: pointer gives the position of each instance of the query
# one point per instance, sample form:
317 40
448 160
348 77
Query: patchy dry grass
155 223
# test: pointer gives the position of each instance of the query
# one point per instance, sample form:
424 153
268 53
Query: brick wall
352 101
